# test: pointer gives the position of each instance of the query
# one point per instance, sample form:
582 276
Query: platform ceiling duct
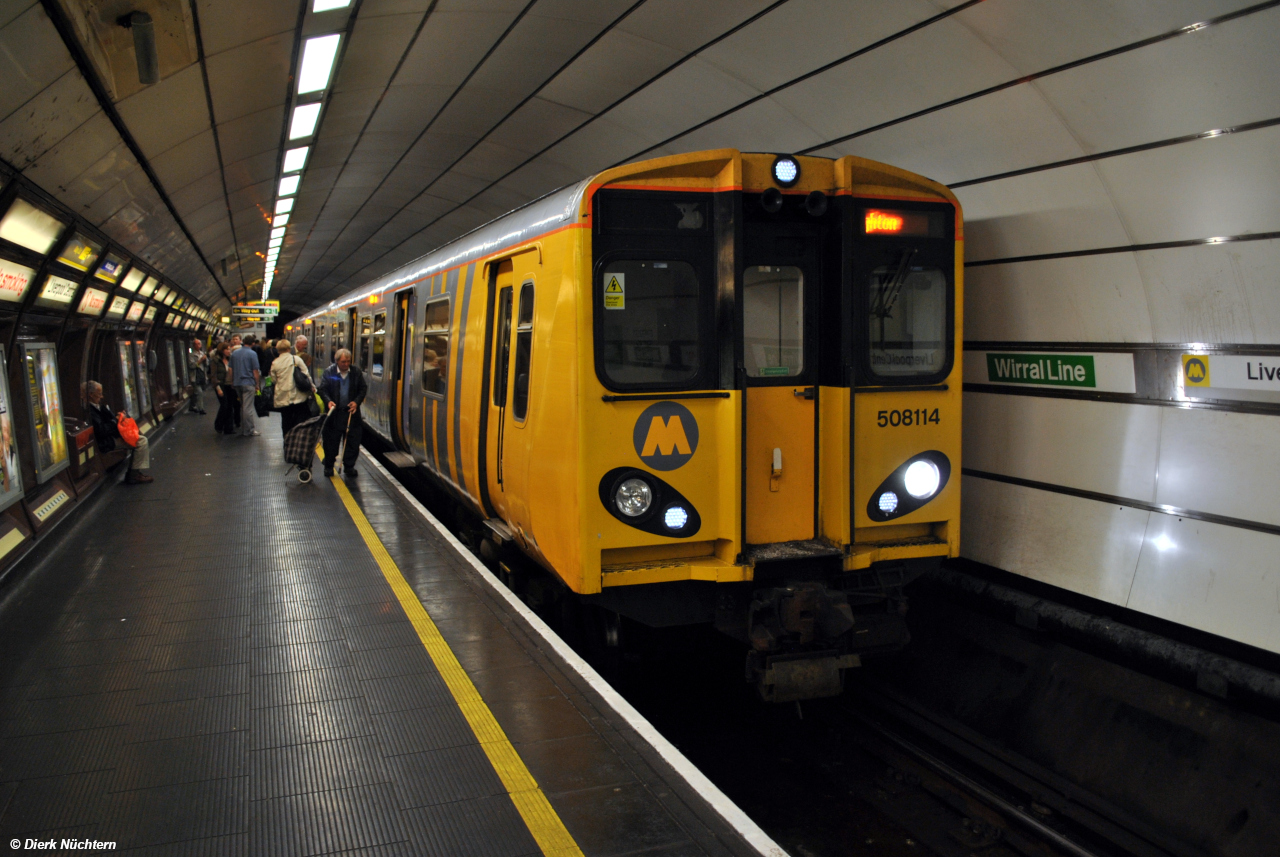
144 46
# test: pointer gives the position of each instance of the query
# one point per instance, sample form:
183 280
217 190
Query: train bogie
712 387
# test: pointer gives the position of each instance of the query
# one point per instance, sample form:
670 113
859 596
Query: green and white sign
1103 372
1059 370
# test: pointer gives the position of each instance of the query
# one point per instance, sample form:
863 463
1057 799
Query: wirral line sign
1103 372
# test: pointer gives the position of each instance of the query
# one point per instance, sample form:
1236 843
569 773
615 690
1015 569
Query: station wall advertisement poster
10 472
14 280
126 373
144 394
41 359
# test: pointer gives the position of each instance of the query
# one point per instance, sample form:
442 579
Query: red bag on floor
128 429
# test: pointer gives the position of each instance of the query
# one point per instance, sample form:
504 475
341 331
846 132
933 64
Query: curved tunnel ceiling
443 115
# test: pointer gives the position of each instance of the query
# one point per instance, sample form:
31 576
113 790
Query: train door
499 363
780 286
402 367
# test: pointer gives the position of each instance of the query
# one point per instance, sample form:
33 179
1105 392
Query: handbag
128 429
302 378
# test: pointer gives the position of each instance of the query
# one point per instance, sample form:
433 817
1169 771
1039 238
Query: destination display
15 279
10 471
47 432
1102 372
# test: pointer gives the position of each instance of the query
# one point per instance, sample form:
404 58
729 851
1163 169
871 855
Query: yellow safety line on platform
541 819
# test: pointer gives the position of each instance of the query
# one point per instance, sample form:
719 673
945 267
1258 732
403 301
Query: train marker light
771 200
921 479
882 222
888 502
786 170
675 518
633 498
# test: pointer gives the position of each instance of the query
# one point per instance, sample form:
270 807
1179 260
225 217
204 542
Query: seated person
106 431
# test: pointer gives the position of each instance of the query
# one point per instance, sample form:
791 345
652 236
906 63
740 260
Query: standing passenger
198 364
225 421
300 348
343 389
246 376
290 401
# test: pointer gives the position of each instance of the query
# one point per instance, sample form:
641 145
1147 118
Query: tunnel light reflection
1163 543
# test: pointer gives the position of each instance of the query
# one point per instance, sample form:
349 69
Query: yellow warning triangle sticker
614 287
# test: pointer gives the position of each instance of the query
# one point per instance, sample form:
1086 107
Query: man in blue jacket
342 389
246 377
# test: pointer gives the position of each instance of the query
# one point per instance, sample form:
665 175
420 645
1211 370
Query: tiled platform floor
214 664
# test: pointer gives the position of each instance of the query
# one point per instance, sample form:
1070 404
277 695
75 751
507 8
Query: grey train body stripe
457 379
442 412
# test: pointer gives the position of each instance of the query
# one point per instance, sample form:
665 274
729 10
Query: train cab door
402 400
780 286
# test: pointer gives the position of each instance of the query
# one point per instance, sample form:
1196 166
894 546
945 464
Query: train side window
651 316
435 349
504 349
366 327
524 350
907 320
379 344
773 320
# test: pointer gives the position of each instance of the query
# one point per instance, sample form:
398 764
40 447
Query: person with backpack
106 429
291 400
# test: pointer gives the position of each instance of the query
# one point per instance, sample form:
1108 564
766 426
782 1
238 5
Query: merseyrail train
710 388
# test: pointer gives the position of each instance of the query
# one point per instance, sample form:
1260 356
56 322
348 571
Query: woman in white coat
289 401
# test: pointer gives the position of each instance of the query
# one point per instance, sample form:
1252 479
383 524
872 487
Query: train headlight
676 517
633 497
888 502
921 479
786 170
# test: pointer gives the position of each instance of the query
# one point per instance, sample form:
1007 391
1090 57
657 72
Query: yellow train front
717 387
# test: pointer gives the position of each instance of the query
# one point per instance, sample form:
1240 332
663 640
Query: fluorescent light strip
280 220
326 5
318 55
305 117
289 185
275 242
277 233
295 159
284 206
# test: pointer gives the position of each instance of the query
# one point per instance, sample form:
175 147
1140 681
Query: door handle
807 392
775 477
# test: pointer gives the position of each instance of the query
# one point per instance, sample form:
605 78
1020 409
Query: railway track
1005 803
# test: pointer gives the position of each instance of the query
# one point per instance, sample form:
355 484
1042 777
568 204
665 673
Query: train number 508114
917 417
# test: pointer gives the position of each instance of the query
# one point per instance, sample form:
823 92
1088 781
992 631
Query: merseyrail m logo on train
1059 370
665 436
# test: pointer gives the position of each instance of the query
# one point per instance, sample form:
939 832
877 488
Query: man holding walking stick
342 388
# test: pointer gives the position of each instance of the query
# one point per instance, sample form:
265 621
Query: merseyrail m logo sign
1058 370
665 435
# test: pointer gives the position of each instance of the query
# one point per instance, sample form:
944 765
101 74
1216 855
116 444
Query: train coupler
801 676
